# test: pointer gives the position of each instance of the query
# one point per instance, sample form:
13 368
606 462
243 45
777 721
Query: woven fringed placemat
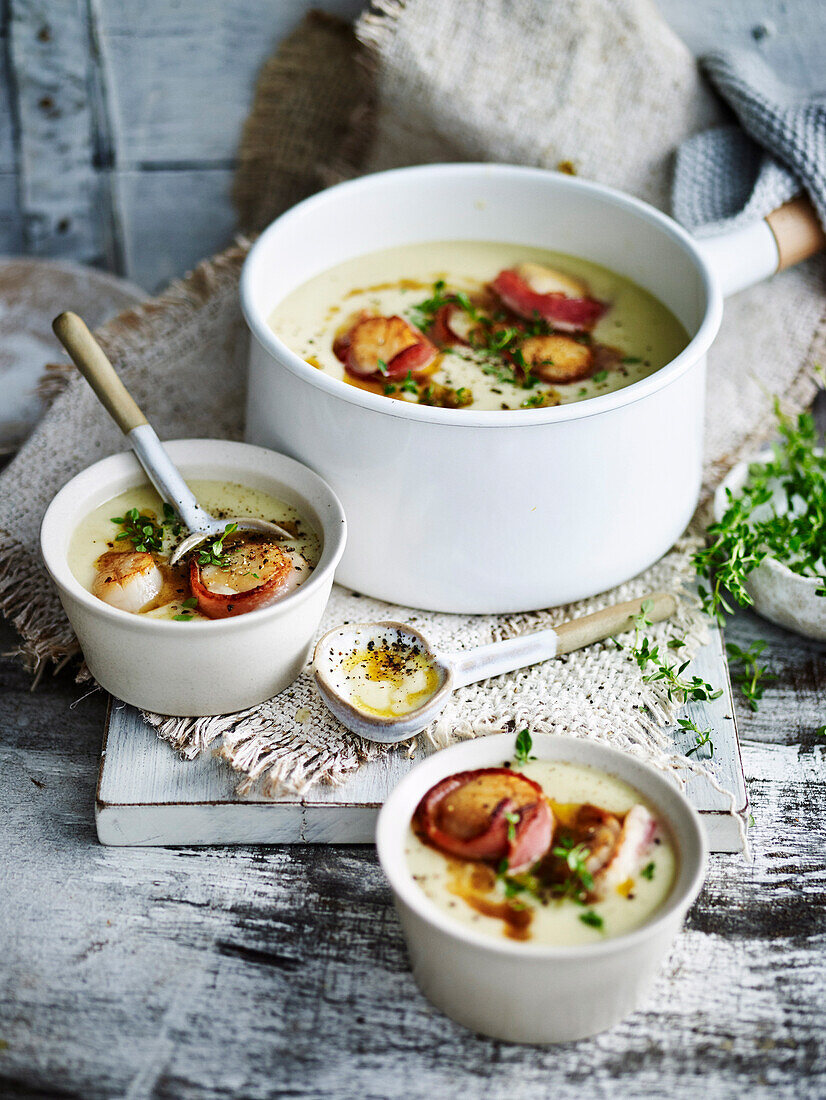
393 97
293 742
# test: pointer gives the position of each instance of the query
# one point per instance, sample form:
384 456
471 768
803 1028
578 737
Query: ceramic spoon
458 668
92 363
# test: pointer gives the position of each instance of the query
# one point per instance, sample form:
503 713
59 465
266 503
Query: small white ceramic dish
531 993
197 668
780 595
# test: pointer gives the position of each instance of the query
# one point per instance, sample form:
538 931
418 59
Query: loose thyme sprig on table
702 737
750 676
678 688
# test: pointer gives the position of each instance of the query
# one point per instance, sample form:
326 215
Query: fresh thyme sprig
702 737
580 880
495 341
677 687
144 531
213 553
780 512
750 676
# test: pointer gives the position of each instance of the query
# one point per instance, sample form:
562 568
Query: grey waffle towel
729 176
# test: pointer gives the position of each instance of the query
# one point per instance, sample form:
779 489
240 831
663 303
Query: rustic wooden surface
251 972
254 972
117 116
148 795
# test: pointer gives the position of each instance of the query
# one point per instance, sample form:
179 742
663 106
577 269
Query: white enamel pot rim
683 821
67 509
254 273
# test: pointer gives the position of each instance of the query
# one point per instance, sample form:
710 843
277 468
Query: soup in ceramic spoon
481 325
121 553
545 852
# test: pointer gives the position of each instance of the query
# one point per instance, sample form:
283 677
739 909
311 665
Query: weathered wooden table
253 972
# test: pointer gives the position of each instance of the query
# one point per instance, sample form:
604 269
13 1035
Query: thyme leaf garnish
523 746
213 553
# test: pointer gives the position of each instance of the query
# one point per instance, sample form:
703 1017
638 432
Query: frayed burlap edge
27 597
271 761
312 96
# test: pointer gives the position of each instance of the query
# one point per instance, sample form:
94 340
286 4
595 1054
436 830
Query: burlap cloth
599 85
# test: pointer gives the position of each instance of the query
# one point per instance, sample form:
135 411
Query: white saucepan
478 511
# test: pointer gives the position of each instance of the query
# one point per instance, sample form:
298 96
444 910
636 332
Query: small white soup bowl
197 668
523 992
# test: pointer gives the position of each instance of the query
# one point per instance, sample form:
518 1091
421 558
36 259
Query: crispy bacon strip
558 309
471 815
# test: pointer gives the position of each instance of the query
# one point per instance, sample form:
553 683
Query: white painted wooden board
148 795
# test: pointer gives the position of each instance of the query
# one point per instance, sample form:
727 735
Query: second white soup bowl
523 992
197 668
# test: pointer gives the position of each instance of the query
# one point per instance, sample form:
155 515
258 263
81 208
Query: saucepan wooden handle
612 620
91 361
797 230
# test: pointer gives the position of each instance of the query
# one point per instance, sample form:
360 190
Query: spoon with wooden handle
339 652
91 361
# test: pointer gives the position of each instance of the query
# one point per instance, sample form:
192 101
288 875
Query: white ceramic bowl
780 595
196 668
581 496
528 993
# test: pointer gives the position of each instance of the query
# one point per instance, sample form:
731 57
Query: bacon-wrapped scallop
490 814
252 573
534 291
384 347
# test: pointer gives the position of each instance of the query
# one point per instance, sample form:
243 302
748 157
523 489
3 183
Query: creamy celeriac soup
121 553
482 325
572 857
388 677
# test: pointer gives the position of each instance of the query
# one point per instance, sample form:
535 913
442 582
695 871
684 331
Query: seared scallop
127 579
558 358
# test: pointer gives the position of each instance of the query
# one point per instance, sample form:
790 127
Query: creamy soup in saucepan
544 852
482 325
121 553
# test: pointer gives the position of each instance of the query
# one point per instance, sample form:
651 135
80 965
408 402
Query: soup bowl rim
113 468
493 748
697 346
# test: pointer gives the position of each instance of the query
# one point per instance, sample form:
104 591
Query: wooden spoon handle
612 620
797 230
89 358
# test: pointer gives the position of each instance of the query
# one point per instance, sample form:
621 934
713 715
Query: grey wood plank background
117 116
252 972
